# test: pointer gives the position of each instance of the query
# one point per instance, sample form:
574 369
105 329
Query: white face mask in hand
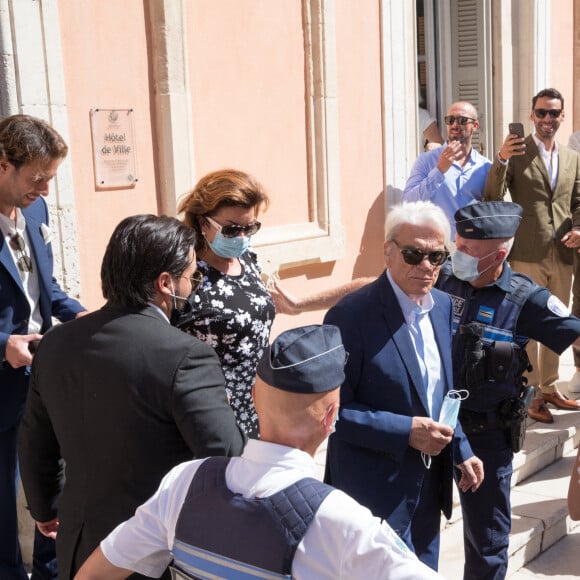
448 415
450 407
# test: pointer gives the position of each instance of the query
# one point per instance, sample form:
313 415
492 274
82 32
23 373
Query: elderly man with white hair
391 451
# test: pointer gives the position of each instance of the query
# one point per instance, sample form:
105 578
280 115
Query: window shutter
471 62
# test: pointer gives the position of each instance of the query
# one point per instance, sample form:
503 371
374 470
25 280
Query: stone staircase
539 488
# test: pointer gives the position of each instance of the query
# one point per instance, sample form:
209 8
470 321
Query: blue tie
429 363
420 345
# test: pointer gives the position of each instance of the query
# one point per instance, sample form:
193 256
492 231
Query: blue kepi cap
307 360
488 220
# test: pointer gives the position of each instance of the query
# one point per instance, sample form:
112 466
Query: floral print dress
234 315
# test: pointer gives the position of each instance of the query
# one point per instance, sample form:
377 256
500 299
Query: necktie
429 361
420 347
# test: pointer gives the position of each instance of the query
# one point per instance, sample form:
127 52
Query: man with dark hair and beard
454 175
544 178
120 396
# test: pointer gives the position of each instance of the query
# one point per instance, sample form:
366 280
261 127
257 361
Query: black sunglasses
450 119
18 244
541 113
234 230
415 257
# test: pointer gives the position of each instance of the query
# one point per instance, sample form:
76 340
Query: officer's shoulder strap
520 288
444 274
211 473
297 504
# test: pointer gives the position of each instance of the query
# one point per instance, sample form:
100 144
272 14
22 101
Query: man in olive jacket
544 178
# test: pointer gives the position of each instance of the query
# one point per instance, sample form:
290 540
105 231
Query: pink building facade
316 98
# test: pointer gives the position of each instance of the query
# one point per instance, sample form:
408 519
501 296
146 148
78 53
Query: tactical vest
220 534
502 355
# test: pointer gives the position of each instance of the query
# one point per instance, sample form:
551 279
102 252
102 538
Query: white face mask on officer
465 266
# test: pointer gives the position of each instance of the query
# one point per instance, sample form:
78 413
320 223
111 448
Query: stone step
539 487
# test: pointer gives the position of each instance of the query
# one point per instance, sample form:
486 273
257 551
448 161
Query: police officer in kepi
265 514
496 312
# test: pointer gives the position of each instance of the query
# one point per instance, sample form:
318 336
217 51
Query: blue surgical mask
450 407
229 247
465 266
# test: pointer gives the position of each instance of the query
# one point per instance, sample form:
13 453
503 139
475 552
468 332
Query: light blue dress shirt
456 188
423 340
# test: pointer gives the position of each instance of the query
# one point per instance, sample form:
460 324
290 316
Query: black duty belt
473 422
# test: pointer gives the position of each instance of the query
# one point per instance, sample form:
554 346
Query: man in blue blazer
30 153
389 451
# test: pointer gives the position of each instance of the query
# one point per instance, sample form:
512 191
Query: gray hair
507 246
417 213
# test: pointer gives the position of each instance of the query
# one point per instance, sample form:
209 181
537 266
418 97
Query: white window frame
320 236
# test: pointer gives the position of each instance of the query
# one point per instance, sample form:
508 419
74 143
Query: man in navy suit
389 450
30 153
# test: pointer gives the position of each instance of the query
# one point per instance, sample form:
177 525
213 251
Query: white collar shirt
160 311
550 159
30 280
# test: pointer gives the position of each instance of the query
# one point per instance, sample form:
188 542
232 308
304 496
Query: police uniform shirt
543 317
344 541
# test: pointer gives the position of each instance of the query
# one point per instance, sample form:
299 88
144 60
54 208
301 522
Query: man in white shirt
297 398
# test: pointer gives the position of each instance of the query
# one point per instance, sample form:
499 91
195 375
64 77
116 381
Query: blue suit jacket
15 310
369 456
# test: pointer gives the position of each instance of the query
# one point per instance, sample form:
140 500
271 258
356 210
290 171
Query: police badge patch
557 307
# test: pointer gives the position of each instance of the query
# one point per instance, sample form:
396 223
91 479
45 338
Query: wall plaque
114 155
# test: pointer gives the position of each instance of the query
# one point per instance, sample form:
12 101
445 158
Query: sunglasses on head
541 113
450 119
234 230
415 257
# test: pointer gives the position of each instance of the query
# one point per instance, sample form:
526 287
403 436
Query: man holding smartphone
544 178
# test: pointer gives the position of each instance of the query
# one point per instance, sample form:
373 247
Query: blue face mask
450 407
229 247
465 266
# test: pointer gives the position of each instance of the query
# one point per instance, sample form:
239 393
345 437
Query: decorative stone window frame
33 84
399 95
320 236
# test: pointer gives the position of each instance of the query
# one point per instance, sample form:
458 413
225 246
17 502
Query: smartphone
516 129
